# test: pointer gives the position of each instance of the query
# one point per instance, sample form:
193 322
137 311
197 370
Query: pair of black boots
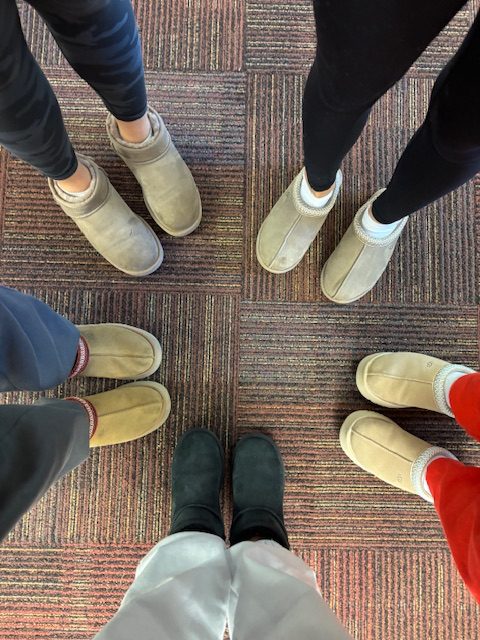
258 480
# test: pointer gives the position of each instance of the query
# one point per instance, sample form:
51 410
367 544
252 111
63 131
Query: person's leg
445 152
180 591
31 124
181 588
100 40
456 495
362 50
40 349
273 593
31 128
42 442
275 596
38 445
378 445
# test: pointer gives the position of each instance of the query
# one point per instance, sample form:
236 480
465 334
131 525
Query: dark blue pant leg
31 124
38 445
38 347
100 40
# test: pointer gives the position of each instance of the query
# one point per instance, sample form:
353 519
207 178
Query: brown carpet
244 349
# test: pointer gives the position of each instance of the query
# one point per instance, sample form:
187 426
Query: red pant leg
464 399
456 493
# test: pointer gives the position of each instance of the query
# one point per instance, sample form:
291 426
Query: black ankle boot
197 479
258 480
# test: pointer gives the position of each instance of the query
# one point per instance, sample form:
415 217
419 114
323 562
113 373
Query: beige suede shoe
111 227
126 413
169 190
358 261
117 351
406 379
378 445
290 228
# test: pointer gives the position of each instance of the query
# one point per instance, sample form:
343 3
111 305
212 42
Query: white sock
449 380
310 199
377 229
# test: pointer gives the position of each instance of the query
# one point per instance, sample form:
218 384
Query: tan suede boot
169 190
290 228
358 261
378 445
116 351
111 227
125 413
406 379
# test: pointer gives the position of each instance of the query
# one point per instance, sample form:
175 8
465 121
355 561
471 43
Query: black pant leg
31 124
38 347
445 152
38 445
100 40
363 49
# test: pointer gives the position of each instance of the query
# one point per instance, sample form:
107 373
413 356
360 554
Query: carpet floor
244 349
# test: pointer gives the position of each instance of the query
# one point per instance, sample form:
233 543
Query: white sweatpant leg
180 592
274 596
185 585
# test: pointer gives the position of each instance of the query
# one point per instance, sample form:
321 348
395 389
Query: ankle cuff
419 467
198 517
91 413
82 358
439 386
249 521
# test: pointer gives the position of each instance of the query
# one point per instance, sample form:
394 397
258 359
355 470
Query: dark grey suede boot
197 479
258 481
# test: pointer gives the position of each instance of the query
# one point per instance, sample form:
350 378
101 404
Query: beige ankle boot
290 228
378 445
117 351
111 227
169 190
358 261
406 379
125 413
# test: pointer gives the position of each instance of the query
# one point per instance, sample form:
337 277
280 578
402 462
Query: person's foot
378 445
125 413
358 261
108 223
197 480
116 351
258 481
407 379
169 190
291 226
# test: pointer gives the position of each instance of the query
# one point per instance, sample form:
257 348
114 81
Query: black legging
364 47
100 40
